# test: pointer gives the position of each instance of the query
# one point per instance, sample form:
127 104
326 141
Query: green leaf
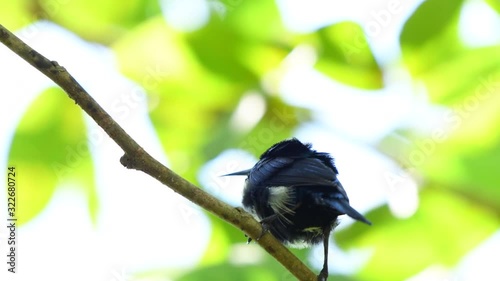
466 161
238 47
445 228
152 52
344 55
430 19
14 14
494 4
218 48
466 153
263 44
463 75
102 21
49 147
430 36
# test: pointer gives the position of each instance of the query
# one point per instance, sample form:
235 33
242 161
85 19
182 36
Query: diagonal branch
136 157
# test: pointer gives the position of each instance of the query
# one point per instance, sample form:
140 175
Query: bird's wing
306 172
293 172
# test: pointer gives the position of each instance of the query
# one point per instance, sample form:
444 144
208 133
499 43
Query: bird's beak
240 173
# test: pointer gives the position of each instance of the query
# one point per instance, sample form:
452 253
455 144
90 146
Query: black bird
294 192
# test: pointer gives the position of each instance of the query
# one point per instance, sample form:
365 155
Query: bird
294 192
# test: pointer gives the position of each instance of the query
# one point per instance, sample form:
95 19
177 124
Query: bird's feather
294 191
295 173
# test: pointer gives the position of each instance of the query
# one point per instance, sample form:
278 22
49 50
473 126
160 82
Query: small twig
137 158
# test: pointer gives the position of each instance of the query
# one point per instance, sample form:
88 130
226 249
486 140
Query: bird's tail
344 207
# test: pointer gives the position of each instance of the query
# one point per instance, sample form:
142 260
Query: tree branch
137 158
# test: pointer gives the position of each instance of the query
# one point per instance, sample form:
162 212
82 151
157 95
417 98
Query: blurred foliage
51 147
445 228
198 78
494 4
345 55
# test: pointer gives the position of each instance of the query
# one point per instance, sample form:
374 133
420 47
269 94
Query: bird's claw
265 229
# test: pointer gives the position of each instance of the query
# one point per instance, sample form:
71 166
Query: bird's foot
265 228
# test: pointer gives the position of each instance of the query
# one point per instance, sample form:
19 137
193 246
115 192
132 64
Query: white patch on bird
301 244
298 244
313 229
280 200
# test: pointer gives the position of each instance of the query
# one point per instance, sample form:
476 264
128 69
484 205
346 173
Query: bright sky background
336 129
